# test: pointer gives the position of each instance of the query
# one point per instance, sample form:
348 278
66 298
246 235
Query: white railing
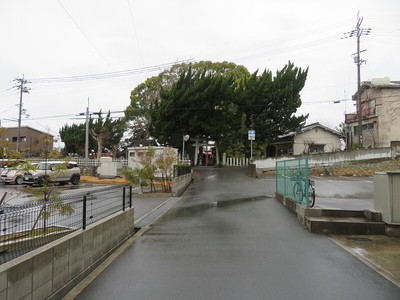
186 162
236 161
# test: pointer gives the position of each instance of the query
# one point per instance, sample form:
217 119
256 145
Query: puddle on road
230 202
191 210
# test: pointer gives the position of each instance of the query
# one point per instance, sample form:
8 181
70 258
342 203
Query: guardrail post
123 199
84 213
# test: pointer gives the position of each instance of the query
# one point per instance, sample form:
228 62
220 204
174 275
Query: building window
317 148
21 139
369 126
6 139
132 154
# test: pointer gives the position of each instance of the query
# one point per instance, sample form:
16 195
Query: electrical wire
83 33
108 75
134 30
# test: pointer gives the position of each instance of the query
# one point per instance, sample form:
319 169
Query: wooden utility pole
358 32
359 106
87 136
23 89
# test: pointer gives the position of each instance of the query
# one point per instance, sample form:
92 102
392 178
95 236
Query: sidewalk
380 252
143 205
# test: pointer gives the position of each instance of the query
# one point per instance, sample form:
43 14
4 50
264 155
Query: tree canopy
221 107
145 95
104 133
197 105
270 102
74 138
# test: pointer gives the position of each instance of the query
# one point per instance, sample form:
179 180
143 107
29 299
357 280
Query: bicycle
299 194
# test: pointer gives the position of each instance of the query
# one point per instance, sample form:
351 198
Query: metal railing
186 162
181 170
28 226
292 179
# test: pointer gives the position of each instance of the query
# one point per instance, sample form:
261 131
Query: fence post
284 177
130 196
123 199
84 213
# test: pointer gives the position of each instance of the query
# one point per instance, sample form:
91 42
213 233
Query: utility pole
23 89
87 136
358 32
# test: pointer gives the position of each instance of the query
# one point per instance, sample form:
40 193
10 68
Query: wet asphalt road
226 240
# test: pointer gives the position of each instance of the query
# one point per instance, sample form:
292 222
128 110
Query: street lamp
185 139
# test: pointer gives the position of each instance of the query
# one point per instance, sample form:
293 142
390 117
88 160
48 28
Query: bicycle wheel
297 192
311 195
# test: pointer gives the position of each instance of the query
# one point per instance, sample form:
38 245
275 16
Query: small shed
313 138
136 153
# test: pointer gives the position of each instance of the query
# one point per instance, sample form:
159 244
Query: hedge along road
227 240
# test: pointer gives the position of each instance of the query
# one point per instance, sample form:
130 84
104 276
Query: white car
54 172
15 174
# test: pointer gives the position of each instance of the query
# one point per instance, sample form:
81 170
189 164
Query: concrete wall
388 110
326 159
179 184
52 270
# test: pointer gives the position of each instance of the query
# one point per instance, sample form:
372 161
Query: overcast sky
60 38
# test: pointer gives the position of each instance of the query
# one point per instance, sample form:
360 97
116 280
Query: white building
313 138
135 154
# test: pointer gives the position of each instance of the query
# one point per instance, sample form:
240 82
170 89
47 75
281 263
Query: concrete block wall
179 184
49 272
327 159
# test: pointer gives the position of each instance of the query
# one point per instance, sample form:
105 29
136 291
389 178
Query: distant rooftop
381 82
309 127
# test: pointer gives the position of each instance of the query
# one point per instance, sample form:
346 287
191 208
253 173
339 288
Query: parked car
15 174
54 172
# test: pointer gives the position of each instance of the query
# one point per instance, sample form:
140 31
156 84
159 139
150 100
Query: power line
108 75
134 29
83 33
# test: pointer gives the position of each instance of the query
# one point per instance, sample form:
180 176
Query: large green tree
221 107
74 138
269 102
104 133
198 104
145 95
107 132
